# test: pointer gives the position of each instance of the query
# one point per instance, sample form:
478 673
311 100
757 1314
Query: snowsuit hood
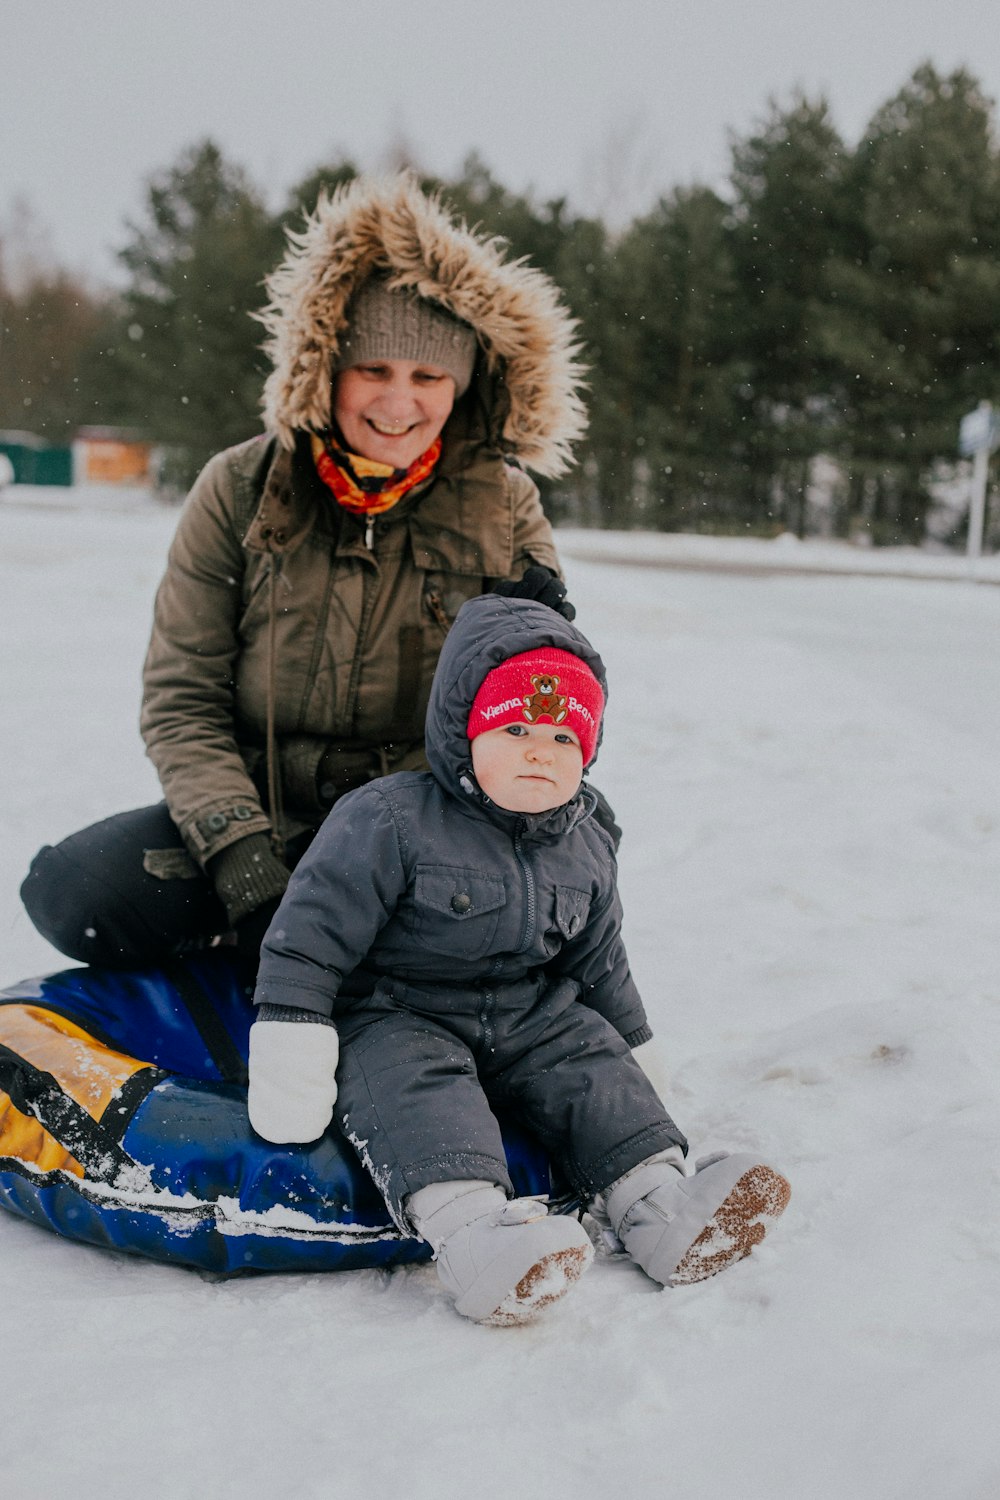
525 394
488 630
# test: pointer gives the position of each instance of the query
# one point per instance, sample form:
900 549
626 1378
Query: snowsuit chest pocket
572 910
456 910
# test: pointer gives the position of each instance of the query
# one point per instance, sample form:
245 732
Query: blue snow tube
123 1123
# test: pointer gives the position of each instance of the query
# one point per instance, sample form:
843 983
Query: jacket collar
542 828
461 521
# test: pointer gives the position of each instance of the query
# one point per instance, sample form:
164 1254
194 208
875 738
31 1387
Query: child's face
528 768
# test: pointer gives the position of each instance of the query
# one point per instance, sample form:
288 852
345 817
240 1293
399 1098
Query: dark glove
249 880
250 932
247 876
541 584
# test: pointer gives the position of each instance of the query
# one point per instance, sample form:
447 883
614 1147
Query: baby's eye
565 739
517 729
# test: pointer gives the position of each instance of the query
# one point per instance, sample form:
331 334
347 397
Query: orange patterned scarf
361 485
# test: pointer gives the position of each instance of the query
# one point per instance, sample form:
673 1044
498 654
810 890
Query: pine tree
189 367
791 220
50 328
678 362
920 336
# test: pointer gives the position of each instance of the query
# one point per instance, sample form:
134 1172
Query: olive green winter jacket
293 646
273 593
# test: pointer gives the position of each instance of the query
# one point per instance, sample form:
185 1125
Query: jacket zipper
486 1018
368 592
530 897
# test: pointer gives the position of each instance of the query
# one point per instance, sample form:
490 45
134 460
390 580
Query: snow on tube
123 1123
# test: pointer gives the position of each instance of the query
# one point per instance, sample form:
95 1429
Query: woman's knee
74 912
91 897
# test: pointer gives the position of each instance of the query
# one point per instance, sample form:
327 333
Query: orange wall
106 461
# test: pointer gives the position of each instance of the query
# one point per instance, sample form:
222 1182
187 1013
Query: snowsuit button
461 903
216 822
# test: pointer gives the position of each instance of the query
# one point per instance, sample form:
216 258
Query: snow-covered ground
781 554
807 770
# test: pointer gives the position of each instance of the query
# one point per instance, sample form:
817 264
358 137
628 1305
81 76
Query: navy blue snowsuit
470 956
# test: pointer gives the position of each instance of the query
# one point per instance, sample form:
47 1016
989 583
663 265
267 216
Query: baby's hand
293 1077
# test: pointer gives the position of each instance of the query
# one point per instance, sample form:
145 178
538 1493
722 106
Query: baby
450 944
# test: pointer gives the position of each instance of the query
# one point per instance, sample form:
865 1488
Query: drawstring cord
274 796
273 778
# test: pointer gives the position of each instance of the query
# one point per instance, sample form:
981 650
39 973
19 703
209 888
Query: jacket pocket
170 864
572 910
456 910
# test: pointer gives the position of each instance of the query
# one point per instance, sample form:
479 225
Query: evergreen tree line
834 300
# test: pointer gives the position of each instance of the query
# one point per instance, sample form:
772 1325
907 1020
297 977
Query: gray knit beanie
385 324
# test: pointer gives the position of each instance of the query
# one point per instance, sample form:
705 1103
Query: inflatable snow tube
123 1123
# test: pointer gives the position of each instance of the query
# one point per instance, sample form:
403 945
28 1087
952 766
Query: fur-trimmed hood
527 337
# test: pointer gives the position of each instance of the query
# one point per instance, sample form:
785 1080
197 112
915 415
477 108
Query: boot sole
740 1222
548 1280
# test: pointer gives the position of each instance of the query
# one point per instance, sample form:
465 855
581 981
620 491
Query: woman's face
391 410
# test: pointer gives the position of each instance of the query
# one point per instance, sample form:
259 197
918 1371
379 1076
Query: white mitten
650 1060
293 1079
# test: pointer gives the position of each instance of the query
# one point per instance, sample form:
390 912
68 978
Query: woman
316 569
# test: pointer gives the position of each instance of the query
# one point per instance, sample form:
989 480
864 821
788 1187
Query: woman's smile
392 410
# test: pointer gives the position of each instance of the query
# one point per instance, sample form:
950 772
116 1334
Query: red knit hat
544 685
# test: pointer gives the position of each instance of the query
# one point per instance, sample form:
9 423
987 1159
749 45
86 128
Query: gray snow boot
502 1262
682 1229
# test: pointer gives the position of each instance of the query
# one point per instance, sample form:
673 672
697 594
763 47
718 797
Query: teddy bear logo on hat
545 701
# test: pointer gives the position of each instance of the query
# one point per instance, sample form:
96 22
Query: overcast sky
95 95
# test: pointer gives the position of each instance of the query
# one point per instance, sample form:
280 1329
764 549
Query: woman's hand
541 584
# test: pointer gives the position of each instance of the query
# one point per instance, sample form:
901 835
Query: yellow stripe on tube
22 1137
88 1071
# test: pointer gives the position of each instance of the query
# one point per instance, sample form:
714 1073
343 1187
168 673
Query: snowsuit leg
416 1087
410 1102
92 897
572 1080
